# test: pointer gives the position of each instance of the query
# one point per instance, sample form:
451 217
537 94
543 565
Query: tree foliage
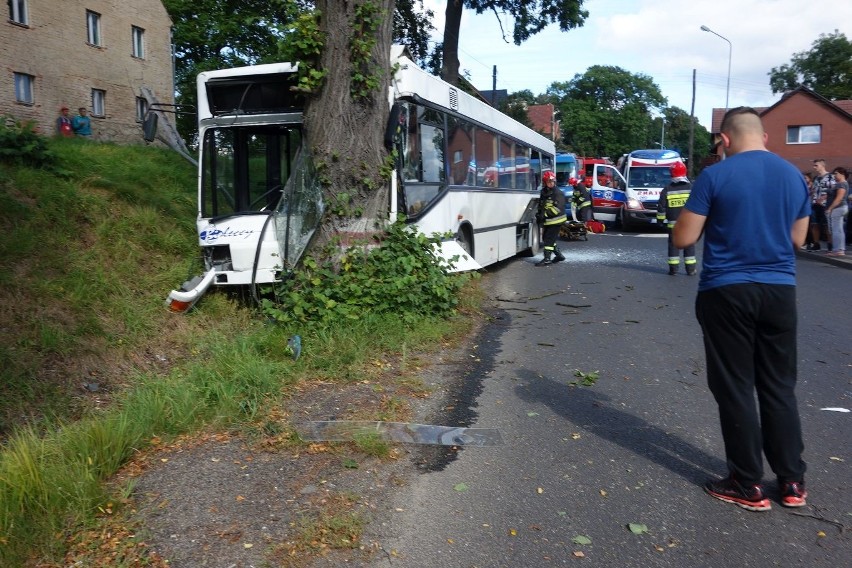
516 105
826 68
219 34
607 111
530 17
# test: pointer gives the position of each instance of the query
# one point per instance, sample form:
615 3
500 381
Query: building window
18 12
98 103
24 88
93 27
138 36
811 134
141 108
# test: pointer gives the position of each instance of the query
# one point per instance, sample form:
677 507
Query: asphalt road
581 463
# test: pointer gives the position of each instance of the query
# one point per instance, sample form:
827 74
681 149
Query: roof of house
843 107
499 96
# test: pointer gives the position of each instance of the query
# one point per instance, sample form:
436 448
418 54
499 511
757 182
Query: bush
403 276
20 144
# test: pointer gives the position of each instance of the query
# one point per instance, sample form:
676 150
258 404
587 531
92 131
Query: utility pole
493 85
692 127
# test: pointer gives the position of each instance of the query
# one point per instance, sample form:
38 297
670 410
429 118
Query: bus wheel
534 240
464 241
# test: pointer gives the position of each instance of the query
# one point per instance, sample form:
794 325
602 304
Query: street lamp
730 49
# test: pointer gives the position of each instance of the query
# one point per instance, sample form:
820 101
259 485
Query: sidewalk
820 255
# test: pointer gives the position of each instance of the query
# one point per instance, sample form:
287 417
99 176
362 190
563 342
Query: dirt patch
229 502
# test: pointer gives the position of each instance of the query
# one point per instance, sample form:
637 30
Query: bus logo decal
213 234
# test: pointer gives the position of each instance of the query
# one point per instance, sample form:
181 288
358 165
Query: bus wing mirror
393 125
149 127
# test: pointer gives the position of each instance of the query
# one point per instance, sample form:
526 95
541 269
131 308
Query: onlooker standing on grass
63 123
836 209
82 124
753 210
823 182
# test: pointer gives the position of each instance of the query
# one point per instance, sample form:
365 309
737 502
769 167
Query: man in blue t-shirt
753 209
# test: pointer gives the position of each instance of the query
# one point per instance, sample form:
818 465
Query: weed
586 379
372 444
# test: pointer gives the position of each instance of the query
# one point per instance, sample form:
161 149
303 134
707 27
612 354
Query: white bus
463 169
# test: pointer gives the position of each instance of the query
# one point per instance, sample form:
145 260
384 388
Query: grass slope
94 368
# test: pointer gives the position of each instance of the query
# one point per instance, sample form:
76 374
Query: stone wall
53 47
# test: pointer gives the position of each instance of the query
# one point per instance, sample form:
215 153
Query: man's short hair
819 161
734 112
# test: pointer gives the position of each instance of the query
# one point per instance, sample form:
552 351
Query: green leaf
349 463
461 487
581 539
636 528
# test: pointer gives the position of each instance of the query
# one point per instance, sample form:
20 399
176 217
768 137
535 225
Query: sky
658 38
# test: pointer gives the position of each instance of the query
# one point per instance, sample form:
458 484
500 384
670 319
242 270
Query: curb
841 261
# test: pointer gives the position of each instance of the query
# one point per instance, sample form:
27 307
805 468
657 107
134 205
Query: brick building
101 54
543 119
803 126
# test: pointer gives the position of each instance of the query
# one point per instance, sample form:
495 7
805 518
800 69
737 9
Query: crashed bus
462 170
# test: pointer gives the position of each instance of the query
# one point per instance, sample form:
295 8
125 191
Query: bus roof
410 81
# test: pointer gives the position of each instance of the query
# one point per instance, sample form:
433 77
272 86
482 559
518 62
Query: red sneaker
793 494
732 491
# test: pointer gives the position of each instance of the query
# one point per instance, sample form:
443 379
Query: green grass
90 252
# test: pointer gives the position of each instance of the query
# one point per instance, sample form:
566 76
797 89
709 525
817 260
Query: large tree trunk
452 26
346 134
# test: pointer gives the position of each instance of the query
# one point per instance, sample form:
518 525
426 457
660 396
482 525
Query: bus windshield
244 169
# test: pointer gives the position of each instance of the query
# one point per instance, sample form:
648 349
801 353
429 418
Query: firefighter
551 212
672 199
582 200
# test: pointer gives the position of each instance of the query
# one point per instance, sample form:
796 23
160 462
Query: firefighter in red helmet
551 213
672 199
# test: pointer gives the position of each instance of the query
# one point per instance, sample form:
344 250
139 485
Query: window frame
93 28
98 103
25 95
19 12
799 129
137 40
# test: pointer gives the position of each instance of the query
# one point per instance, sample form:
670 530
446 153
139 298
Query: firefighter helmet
572 181
548 176
678 169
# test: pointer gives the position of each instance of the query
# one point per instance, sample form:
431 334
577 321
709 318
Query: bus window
486 157
410 150
506 165
432 153
460 149
245 169
523 173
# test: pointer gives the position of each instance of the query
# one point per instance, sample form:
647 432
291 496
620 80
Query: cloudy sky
659 38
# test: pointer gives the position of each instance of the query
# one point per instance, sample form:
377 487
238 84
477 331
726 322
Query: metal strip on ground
403 432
